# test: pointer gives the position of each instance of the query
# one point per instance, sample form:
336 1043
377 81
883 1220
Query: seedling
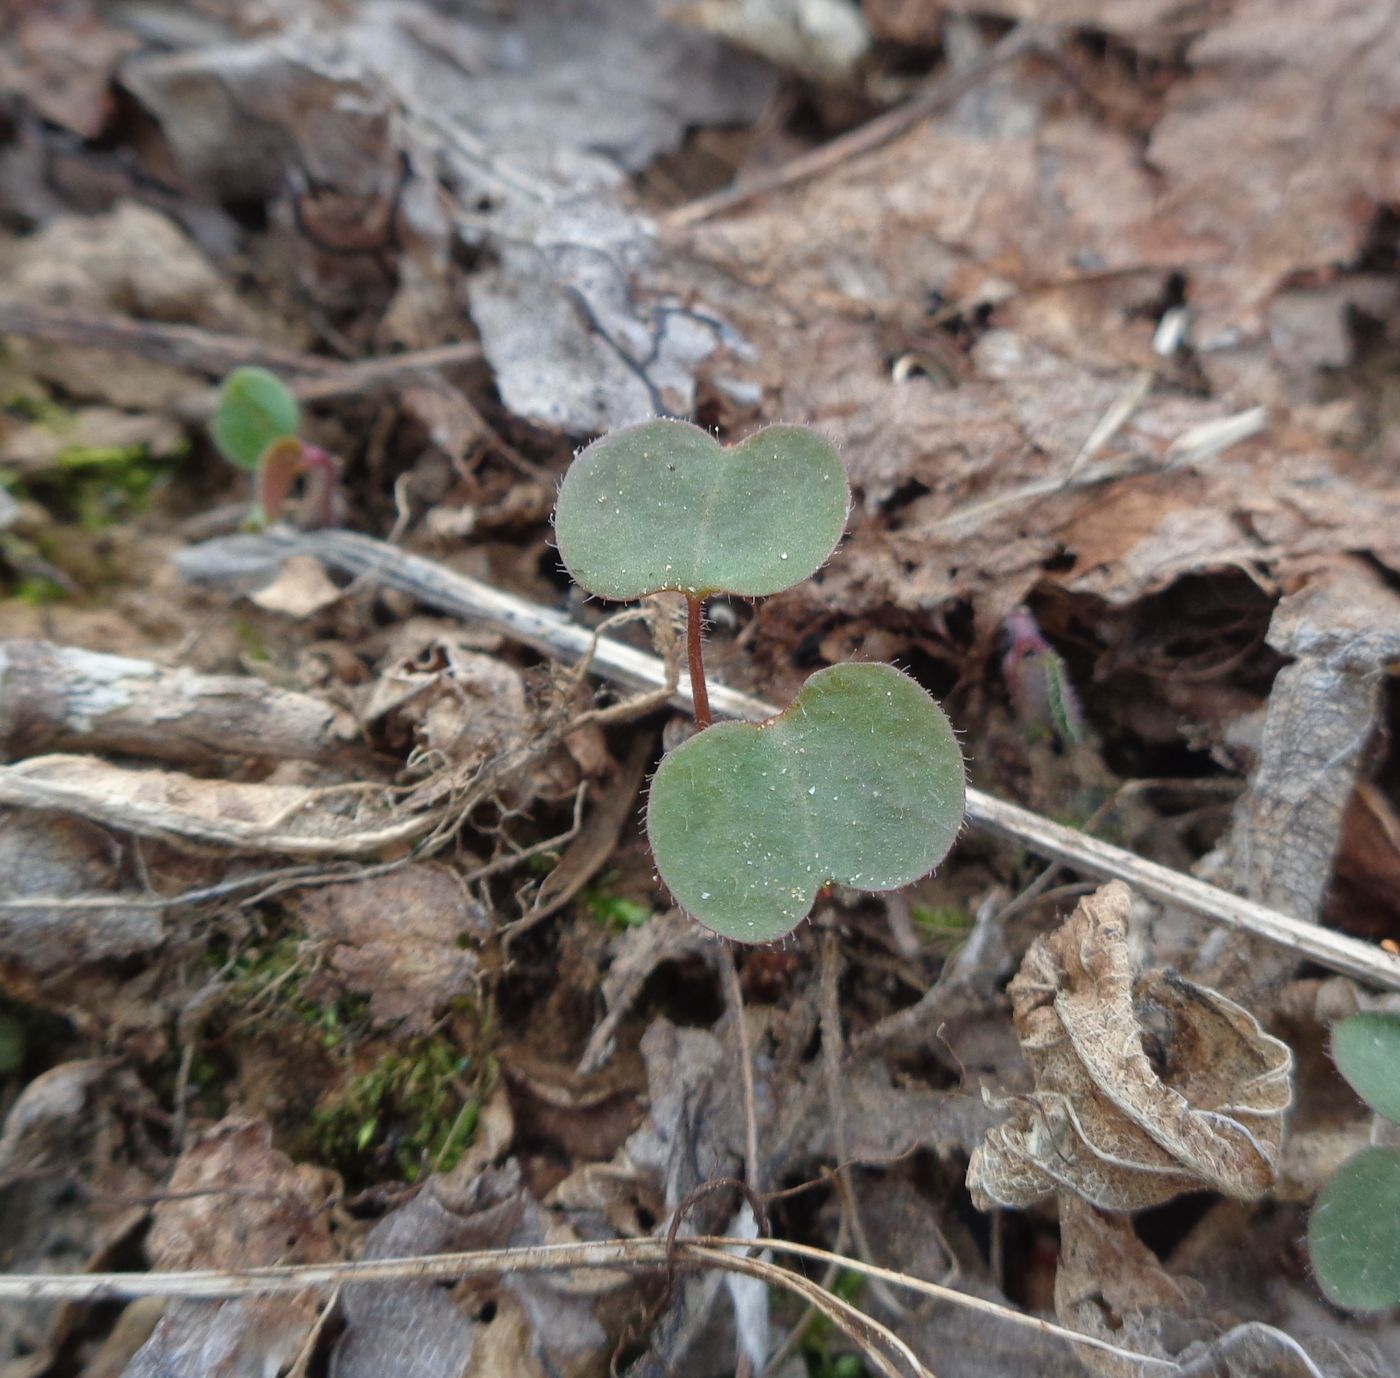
859 781
1354 1233
255 427
1039 684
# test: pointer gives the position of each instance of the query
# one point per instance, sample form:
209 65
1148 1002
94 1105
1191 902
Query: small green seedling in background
1039 684
858 782
255 428
1354 1233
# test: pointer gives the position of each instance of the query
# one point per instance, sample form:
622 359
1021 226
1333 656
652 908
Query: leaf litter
329 931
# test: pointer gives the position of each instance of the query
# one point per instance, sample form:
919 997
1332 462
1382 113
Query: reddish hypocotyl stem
289 459
322 483
698 692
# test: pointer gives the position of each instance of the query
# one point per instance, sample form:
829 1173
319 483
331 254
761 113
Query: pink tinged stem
285 461
699 693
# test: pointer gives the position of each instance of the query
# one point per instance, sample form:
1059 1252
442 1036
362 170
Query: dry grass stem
705 1251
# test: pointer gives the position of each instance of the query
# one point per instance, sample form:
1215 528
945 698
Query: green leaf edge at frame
255 410
1354 1232
662 505
747 821
1366 1048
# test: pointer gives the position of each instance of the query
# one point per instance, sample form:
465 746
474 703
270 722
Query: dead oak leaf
398 939
1145 1087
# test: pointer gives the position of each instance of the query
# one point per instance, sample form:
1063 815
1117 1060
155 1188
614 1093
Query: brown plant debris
1145 1087
235 1201
397 938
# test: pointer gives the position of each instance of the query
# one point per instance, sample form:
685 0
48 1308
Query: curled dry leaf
1145 1087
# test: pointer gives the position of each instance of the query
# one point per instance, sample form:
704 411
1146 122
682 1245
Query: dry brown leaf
1106 1121
45 854
249 1206
70 1160
971 204
53 1125
1108 1283
60 58
434 1332
300 589
129 259
133 261
1279 149
398 939
236 1202
455 702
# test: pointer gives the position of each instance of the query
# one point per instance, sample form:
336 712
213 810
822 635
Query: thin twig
557 635
940 94
314 376
186 346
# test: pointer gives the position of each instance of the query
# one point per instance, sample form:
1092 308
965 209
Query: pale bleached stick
557 635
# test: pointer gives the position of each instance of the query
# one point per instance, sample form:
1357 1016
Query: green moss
391 1107
272 977
612 911
33 406
405 1111
95 487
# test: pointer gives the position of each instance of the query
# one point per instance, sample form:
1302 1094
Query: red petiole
698 692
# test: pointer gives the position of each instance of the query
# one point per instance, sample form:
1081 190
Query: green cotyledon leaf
663 505
858 782
255 410
1354 1232
1367 1050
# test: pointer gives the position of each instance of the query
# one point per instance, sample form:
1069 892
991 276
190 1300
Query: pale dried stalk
556 635
63 698
708 1251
